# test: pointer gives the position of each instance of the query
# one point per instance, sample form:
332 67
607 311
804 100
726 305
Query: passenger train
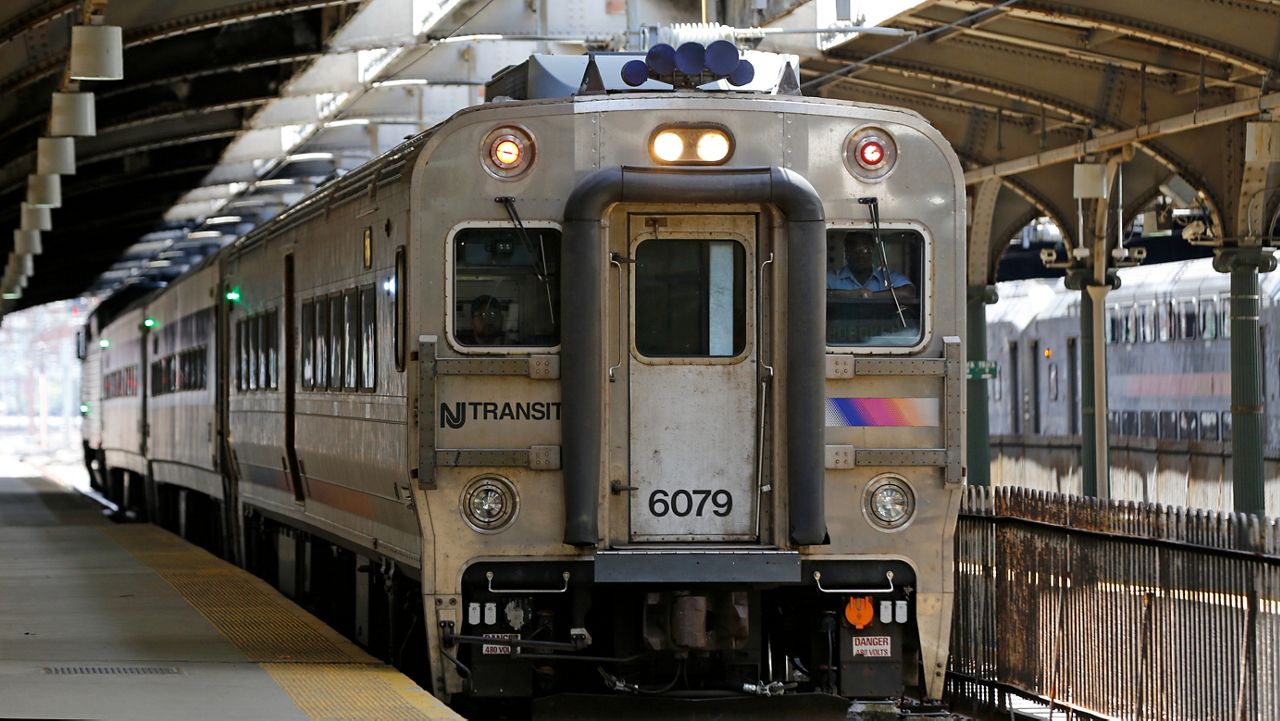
1168 333
553 397
1169 369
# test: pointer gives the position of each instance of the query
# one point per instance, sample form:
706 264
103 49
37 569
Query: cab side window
506 287
875 284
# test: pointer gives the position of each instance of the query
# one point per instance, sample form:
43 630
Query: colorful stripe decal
862 412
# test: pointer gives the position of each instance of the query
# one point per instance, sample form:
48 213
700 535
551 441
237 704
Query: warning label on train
490 649
872 646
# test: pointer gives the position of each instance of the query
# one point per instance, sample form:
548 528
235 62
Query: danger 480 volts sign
881 646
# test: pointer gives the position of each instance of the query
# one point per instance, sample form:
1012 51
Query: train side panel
182 384
124 393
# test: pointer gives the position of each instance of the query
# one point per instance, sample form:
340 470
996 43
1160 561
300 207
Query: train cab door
691 369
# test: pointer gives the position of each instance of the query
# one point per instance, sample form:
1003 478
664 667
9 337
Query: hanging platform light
73 114
27 241
56 156
97 52
36 218
44 191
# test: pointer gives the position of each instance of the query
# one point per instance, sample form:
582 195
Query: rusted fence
1115 609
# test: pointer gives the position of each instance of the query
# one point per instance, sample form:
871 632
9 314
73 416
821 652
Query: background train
540 401
1169 385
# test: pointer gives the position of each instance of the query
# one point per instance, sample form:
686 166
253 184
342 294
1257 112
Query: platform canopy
230 110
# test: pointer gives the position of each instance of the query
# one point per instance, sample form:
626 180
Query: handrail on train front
582 338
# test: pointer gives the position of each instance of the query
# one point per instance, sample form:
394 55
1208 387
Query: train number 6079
684 503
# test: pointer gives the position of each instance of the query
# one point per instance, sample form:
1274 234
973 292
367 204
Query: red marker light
871 153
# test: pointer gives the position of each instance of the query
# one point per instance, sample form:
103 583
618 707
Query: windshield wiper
542 273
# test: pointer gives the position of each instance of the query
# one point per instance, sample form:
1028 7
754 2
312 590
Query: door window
690 298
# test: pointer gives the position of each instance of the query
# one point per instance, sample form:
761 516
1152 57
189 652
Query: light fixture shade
73 114
56 156
97 52
27 241
36 218
44 191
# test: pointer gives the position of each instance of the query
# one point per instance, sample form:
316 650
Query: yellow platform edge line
353 692
236 603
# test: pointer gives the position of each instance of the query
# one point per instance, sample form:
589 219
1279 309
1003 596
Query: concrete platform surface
107 621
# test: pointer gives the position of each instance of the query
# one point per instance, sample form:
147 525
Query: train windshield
506 286
874 287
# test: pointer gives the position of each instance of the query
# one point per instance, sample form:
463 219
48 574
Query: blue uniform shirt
843 280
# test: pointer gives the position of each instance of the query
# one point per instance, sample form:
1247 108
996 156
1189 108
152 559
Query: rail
1114 608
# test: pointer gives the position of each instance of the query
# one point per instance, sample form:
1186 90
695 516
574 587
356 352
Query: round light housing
489 503
508 152
889 502
713 146
870 153
668 146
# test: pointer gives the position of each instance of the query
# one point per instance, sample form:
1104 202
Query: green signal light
149 323
104 343
233 295
84 409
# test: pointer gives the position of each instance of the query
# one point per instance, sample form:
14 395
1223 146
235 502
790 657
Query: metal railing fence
1115 608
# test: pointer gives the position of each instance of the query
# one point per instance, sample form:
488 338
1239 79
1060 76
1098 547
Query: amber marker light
508 152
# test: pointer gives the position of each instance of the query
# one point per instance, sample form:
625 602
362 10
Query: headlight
889 502
489 503
700 144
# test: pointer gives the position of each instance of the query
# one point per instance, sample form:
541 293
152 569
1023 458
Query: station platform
126 621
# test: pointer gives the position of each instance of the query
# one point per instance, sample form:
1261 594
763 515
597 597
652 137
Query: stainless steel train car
1169 384
649 388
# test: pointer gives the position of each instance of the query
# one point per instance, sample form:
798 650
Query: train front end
690 414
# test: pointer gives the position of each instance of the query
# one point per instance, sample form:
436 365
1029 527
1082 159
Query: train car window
1148 424
690 298
1147 323
308 349
1053 381
322 343
506 287
1130 324
1113 319
254 348
1113 423
1208 426
1208 319
1169 424
336 335
351 331
399 292
873 292
368 339
997 386
1129 423
273 349
1225 425
82 344
1163 325
1224 325
1188 322
1189 425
